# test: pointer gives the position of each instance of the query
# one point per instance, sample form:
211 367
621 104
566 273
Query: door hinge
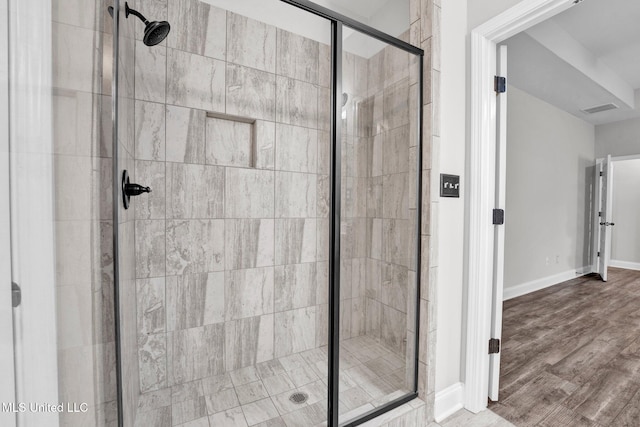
500 84
16 295
494 346
598 253
498 216
600 213
601 173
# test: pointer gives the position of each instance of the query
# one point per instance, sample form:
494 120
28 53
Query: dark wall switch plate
449 185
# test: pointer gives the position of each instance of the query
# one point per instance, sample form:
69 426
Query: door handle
608 223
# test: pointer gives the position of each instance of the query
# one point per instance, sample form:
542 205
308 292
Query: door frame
596 226
482 185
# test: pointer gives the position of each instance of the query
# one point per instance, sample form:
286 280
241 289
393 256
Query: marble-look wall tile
395 233
151 205
249 341
74 125
295 241
354 240
396 64
265 145
196 353
197 27
249 193
393 291
374 315
360 76
75 65
295 286
345 320
297 149
393 329
396 151
358 277
195 300
358 317
324 65
150 72
324 152
152 354
249 243
324 196
72 195
228 143
195 191
150 248
376 154
185 135
251 43
295 195
248 293
296 102
195 246
374 236
322 322
322 239
354 197
297 57
78 13
375 201
294 331
395 196
151 305
186 86
74 316
250 93
324 109
396 105
150 131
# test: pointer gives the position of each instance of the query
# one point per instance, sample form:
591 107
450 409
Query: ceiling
586 56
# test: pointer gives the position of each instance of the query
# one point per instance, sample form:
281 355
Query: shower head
154 32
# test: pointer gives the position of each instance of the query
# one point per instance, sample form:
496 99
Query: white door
606 198
7 385
498 268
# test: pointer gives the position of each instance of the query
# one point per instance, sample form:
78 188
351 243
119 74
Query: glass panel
378 284
61 228
231 133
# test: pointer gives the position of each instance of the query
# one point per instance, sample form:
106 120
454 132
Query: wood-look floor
571 354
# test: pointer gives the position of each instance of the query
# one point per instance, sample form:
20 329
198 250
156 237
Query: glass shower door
379 250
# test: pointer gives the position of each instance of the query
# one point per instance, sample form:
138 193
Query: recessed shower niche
277 254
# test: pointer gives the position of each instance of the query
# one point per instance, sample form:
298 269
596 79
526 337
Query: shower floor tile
370 376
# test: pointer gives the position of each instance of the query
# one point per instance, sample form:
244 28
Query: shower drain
299 397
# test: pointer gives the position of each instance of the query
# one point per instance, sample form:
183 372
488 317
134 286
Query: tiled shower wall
231 245
391 201
82 64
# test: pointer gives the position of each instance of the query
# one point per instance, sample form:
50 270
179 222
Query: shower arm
129 11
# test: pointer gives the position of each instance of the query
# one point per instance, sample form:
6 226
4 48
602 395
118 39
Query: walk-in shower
268 270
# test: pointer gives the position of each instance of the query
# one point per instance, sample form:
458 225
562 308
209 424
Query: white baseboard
449 401
545 282
625 264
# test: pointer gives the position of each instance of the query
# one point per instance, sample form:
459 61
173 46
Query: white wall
550 158
618 139
451 211
625 236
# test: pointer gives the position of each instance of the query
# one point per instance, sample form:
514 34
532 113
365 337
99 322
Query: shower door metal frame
337 22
